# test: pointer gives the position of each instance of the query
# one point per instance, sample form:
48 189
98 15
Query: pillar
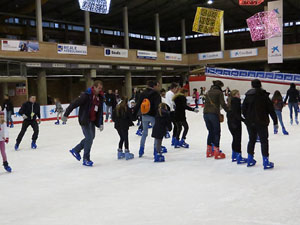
39 21
42 87
157 32
87 26
5 88
159 78
88 75
125 27
183 40
128 84
222 36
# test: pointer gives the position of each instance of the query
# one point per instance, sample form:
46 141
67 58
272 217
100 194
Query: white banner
71 49
20 46
243 52
146 54
275 44
210 55
114 52
173 57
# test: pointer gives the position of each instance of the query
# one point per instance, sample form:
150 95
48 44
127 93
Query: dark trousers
174 124
123 133
25 125
262 132
196 102
179 126
87 142
158 145
236 133
212 123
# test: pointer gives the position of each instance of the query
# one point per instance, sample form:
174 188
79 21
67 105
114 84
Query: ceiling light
210 2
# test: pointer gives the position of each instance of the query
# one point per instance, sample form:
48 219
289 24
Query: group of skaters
165 111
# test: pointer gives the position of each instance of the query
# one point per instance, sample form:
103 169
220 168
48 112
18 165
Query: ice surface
49 187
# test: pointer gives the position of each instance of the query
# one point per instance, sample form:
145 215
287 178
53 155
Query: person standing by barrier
293 96
30 111
90 116
111 102
59 110
196 97
278 105
9 107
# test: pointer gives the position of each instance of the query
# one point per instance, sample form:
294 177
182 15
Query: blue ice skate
159 158
250 161
57 122
167 135
284 131
139 132
75 154
121 155
275 130
129 155
7 167
12 125
234 156
177 144
240 159
64 123
257 139
16 147
183 144
297 122
267 164
149 126
87 162
173 141
164 149
291 121
33 145
141 152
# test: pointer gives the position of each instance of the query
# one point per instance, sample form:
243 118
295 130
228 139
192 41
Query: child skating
4 140
59 110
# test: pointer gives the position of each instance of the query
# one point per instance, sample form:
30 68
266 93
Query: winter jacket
234 116
84 102
278 104
110 100
257 107
162 125
31 110
154 98
169 100
123 121
214 100
180 107
7 104
293 96
59 107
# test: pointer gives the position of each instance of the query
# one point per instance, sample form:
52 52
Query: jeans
179 126
86 143
263 133
25 125
146 120
212 122
293 105
108 111
123 133
8 118
279 116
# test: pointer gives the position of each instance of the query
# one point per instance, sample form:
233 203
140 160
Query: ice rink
49 187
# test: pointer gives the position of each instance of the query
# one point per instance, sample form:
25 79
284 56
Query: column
5 88
222 36
159 78
42 87
128 84
183 40
88 75
157 32
125 27
87 26
39 21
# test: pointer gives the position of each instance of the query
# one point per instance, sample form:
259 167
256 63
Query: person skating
59 110
90 116
30 111
234 121
293 96
122 116
180 117
212 117
161 126
9 107
111 102
256 109
196 97
278 105
4 139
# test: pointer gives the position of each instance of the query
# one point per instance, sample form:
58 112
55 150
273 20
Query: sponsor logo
275 49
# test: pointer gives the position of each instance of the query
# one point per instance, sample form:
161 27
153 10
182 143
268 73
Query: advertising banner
71 49
173 57
20 46
238 53
210 55
114 52
146 54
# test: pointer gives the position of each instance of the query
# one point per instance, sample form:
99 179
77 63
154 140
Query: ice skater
161 126
278 105
4 139
59 110
234 121
122 116
30 111
111 102
293 96
9 107
90 105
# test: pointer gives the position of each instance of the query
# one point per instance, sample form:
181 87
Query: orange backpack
145 106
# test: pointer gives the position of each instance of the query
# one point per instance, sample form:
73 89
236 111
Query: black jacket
7 104
84 102
293 96
180 107
162 125
123 121
110 100
31 110
234 116
257 107
154 98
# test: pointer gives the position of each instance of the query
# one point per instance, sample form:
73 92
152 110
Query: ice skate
128 155
57 122
173 141
75 154
209 151
267 164
218 154
250 161
240 159
16 147
33 145
141 152
7 167
177 144
183 144
167 135
284 131
139 132
12 125
234 156
164 149
159 158
87 162
121 154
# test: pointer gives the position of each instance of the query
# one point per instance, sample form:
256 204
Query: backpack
145 106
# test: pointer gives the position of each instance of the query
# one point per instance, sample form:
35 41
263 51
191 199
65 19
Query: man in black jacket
256 109
152 94
30 111
7 104
293 96
90 105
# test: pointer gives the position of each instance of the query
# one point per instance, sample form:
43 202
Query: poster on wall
114 52
210 55
20 46
71 49
20 89
173 57
275 44
243 53
146 54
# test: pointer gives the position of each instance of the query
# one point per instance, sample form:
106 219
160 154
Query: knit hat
1 113
218 83
256 83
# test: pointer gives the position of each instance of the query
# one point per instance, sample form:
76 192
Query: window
56 25
46 24
108 32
